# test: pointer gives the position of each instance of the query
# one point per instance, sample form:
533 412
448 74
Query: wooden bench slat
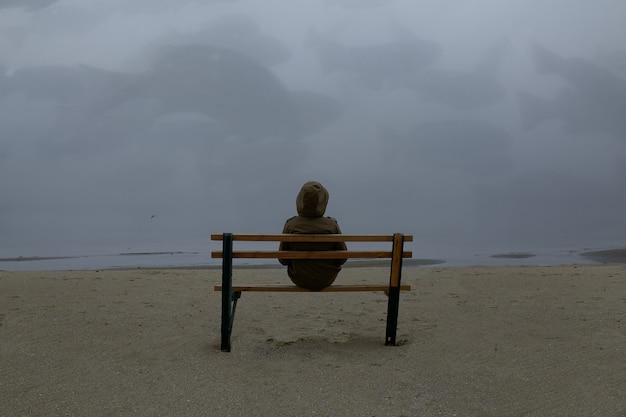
293 288
331 254
310 237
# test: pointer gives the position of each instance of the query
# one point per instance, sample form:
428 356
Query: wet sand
473 341
609 256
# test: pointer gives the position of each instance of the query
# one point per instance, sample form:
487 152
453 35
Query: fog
476 123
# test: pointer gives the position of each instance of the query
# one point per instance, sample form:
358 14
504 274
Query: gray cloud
496 123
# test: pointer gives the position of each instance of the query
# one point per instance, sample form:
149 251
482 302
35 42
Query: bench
231 293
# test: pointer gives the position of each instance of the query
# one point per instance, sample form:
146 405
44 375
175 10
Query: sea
196 253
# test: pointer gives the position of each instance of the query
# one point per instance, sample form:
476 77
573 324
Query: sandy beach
474 341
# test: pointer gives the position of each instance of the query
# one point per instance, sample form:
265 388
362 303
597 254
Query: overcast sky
495 122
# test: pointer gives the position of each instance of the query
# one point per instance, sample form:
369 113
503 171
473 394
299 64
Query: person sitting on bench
313 274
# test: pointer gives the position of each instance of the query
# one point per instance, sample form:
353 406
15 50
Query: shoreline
195 259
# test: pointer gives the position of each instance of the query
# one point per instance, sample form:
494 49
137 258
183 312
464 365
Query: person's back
314 274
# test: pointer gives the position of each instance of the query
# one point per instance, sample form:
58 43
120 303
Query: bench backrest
396 253
313 254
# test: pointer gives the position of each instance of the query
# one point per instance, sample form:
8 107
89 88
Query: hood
312 200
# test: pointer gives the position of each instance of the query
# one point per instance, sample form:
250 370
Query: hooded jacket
314 274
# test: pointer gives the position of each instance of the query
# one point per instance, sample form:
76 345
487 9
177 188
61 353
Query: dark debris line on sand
514 255
36 258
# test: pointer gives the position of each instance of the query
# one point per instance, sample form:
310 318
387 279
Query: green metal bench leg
227 291
393 305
